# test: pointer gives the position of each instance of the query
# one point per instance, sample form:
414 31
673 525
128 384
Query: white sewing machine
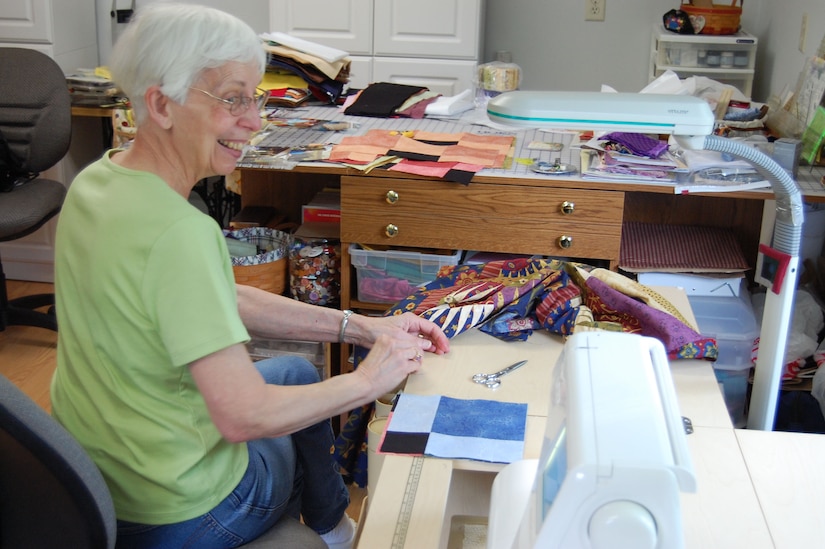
614 457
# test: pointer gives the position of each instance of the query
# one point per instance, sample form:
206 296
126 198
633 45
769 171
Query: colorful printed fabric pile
509 299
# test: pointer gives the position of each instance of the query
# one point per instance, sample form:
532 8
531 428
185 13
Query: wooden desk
104 113
513 211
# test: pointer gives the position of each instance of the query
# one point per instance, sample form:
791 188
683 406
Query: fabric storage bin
266 269
732 322
391 275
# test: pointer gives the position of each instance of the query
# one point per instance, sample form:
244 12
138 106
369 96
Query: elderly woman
199 446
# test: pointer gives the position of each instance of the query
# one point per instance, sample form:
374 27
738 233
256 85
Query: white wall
779 58
558 50
254 12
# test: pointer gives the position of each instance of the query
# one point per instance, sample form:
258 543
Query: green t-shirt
144 287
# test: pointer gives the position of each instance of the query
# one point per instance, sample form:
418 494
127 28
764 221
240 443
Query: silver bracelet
344 321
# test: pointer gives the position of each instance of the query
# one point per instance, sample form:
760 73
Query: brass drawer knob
391 197
565 241
391 230
567 207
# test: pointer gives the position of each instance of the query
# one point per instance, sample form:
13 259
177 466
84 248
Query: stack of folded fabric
324 69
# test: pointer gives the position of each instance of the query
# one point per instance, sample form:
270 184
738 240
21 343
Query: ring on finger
418 356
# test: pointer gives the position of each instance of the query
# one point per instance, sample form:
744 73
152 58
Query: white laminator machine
683 116
614 457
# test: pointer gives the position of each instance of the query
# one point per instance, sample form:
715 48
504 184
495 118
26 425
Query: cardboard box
325 207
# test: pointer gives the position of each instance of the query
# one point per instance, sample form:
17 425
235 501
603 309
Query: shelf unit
729 59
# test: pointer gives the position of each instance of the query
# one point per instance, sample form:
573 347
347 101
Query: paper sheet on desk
440 426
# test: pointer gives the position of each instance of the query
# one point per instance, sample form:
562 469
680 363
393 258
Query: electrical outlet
594 10
803 33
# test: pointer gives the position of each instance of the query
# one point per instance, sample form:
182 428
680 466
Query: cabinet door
445 76
344 24
428 28
25 21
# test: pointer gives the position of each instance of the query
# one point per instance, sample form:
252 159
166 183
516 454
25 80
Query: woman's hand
389 362
426 335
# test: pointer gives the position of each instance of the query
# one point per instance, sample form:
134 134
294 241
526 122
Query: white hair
170 45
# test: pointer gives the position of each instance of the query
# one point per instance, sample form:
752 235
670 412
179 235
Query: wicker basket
719 19
268 270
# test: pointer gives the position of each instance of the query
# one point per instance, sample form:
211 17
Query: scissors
492 380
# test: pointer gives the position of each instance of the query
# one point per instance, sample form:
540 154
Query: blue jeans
293 475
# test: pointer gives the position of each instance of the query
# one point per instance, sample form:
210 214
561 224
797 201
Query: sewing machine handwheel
622 524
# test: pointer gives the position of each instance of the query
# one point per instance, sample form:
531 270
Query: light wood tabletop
754 489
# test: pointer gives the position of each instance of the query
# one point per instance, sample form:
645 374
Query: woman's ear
157 107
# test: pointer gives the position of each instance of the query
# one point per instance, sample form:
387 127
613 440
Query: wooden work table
755 489
549 217
512 211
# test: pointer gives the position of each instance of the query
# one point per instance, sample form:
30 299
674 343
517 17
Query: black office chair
36 123
53 495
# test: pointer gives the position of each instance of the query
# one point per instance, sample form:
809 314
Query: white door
26 21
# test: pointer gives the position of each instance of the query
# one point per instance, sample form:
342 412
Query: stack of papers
89 88
711 171
603 159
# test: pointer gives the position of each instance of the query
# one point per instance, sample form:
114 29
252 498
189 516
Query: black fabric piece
381 99
459 176
405 443
437 143
413 156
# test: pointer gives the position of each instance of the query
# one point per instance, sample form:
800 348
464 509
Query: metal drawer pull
565 241
567 207
391 230
392 197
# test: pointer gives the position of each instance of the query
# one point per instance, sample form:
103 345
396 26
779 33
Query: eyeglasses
239 104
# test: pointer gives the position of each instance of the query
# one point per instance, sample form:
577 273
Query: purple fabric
653 322
639 143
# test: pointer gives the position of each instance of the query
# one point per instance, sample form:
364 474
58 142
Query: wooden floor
28 359
28 355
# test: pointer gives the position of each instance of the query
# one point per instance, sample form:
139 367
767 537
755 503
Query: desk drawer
482 216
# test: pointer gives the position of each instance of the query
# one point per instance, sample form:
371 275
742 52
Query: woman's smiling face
214 136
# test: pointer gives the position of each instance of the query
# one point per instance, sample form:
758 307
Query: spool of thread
499 76
375 429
